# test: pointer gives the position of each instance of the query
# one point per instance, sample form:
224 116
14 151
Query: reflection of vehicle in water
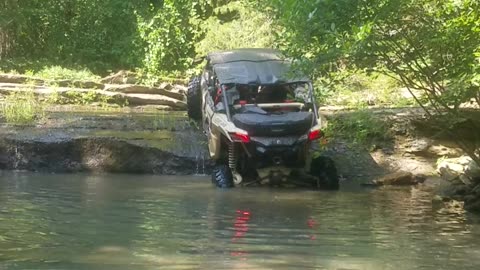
241 224
245 233
240 227
261 121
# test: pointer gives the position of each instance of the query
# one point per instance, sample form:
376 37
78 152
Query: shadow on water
153 222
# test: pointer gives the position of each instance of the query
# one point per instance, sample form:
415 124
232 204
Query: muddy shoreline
149 141
107 142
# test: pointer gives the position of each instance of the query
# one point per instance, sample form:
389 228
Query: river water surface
151 222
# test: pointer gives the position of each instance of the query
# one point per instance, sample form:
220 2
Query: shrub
358 90
361 127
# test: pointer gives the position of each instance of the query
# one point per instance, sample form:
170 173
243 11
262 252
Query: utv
261 121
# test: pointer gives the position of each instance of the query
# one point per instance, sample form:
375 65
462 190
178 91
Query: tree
235 25
159 36
429 45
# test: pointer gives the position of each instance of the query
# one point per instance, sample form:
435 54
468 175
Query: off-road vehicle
261 121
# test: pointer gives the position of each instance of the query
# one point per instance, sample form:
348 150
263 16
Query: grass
47 69
61 73
359 90
360 127
22 108
80 98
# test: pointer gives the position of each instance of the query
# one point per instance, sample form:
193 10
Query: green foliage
159 37
428 45
100 34
168 36
21 108
361 127
79 98
355 89
245 26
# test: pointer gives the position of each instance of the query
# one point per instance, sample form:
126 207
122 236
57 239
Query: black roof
253 55
253 66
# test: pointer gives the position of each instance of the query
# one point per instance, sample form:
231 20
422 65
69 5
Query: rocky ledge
112 89
93 155
116 143
464 175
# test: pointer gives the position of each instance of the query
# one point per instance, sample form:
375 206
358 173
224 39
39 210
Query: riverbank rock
140 89
176 101
399 179
150 99
462 170
32 81
78 84
418 146
121 77
444 151
430 148
472 198
14 78
464 175
179 89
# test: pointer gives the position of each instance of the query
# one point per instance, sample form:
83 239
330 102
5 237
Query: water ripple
132 222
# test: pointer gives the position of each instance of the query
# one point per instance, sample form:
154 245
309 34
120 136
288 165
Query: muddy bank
417 148
109 141
400 152
93 155
105 142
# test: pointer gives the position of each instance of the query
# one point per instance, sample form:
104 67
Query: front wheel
323 168
222 176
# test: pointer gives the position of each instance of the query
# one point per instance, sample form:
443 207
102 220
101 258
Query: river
119 222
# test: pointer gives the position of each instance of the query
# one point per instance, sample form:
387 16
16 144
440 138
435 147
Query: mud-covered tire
222 176
194 99
325 170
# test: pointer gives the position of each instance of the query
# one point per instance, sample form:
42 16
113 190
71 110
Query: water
151 222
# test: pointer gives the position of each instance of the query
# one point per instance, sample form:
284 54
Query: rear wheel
194 99
222 176
324 169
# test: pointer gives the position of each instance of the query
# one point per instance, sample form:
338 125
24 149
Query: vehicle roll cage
310 93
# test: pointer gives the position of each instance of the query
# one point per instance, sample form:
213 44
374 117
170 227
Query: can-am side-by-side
261 121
